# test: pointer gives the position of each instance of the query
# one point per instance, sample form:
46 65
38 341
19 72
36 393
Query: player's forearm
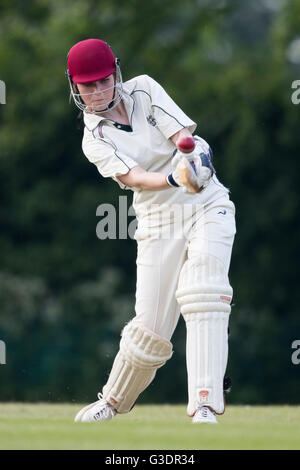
152 181
139 178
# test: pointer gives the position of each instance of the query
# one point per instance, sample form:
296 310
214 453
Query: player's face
97 95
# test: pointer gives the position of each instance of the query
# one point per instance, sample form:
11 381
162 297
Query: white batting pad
141 353
204 294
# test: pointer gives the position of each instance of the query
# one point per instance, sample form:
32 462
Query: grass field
51 426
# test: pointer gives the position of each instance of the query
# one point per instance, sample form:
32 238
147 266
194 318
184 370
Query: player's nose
98 86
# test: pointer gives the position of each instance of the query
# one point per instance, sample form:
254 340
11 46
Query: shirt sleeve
109 161
169 117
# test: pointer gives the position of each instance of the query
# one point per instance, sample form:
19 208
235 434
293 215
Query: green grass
51 426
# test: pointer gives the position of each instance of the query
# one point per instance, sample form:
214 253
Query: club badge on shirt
151 120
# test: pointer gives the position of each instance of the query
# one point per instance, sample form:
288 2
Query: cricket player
137 135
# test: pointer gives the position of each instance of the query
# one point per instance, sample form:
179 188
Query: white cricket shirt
154 118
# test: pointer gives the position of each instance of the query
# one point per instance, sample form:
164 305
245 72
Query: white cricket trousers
163 247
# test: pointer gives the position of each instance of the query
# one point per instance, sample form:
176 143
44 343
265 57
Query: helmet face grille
117 96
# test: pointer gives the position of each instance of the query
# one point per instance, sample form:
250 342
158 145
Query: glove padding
193 171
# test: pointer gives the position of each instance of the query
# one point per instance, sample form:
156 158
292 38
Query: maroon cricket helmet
90 60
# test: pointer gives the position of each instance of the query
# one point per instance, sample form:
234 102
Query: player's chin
98 105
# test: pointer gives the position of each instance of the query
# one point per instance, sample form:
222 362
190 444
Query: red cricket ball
186 144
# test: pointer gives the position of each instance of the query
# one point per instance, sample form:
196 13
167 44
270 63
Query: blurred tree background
64 294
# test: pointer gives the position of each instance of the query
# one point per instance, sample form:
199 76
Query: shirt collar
92 121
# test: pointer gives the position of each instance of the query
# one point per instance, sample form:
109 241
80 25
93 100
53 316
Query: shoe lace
105 412
204 411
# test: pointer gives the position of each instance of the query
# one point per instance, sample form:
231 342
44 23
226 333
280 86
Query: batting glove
192 171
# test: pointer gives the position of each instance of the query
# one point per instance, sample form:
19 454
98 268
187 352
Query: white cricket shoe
100 410
204 415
